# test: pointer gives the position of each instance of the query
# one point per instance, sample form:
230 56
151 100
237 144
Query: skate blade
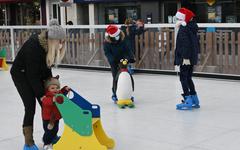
196 106
184 108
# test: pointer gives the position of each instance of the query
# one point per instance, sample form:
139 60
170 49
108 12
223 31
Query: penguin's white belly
124 86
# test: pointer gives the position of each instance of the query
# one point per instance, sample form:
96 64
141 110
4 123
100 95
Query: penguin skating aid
125 86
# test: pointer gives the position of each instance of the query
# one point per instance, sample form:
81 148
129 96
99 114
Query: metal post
65 15
12 43
5 15
91 17
47 12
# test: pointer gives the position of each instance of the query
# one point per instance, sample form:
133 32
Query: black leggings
28 98
114 70
188 87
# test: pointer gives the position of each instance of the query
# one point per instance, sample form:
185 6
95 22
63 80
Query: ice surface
154 124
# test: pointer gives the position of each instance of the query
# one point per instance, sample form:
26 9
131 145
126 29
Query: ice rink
154 124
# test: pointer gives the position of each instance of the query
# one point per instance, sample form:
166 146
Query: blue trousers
49 135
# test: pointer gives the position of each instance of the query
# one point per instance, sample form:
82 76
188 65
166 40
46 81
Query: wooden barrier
219 51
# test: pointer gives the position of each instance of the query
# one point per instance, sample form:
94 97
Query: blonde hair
55 53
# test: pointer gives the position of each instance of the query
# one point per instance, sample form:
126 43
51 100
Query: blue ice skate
195 101
114 98
33 147
186 104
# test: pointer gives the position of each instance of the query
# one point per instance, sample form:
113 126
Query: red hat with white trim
113 30
185 15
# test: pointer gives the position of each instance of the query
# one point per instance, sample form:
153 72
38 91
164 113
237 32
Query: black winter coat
187 44
117 51
31 61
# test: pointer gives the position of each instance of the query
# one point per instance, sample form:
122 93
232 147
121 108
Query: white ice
154 124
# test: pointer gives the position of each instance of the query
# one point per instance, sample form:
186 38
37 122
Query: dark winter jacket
31 61
187 44
133 31
117 51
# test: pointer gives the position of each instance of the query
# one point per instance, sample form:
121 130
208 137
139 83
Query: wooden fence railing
220 50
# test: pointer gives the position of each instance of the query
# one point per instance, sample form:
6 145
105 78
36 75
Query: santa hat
185 15
113 30
52 81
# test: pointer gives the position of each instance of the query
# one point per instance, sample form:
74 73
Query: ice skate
195 101
48 147
186 104
27 147
29 142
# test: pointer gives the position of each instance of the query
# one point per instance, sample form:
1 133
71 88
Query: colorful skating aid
125 86
3 64
82 126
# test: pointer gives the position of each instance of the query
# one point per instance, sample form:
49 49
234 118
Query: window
118 15
170 9
56 12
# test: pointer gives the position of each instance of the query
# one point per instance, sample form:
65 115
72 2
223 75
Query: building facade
85 12
21 12
158 11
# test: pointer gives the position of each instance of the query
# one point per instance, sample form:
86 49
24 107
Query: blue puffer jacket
187 44
117 51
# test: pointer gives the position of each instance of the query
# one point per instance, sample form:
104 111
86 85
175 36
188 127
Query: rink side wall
219 43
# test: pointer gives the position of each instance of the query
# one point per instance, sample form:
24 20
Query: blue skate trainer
33 147
195 101
186 105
